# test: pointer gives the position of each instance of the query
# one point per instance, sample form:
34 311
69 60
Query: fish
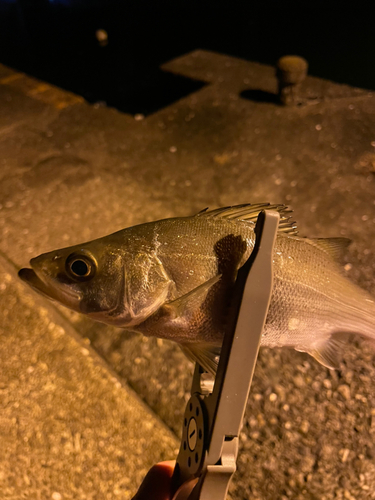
174 279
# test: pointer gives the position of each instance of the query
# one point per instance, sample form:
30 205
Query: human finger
184 491
157 483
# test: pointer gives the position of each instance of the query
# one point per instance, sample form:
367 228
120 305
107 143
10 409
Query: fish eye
80 267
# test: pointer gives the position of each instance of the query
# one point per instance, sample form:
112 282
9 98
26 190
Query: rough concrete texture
69 428
75 172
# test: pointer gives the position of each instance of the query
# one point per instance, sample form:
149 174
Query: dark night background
55 41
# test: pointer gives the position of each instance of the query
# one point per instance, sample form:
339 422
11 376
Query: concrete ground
70 172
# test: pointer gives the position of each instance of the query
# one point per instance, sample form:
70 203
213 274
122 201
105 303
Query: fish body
173 279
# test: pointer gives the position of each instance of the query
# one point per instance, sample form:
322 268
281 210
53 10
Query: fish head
102 280
77 276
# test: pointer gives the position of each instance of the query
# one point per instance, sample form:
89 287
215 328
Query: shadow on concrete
258 95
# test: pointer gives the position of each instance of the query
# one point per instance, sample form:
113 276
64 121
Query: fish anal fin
207 355
191 300
329 352
334 247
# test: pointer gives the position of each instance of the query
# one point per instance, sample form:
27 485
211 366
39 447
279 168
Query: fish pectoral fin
207 355
329 352
191 300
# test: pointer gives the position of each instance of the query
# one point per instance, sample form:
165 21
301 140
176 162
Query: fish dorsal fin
207 355
334 247
204 210
329 351
249 213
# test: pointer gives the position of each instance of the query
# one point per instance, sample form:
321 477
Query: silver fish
173 279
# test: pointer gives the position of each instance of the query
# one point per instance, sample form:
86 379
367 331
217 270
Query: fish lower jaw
53 290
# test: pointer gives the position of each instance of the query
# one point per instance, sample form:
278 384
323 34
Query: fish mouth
30 277
53 291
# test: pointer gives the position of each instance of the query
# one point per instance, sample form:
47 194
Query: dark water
55 41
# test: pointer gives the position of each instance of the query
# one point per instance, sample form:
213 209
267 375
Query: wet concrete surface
72 172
